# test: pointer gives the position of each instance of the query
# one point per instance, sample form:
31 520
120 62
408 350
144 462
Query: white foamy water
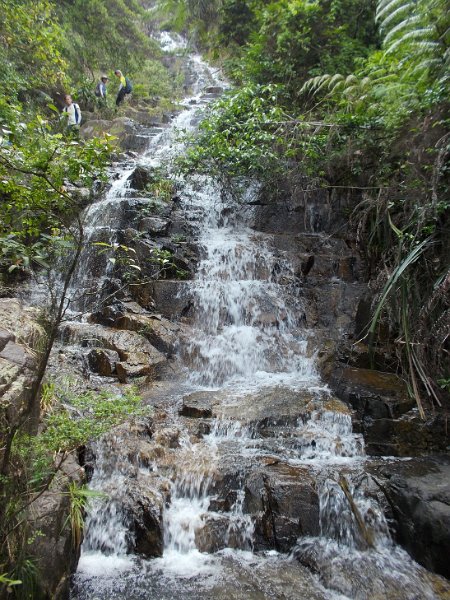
247 344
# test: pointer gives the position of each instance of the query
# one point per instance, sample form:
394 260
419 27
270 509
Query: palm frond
411 258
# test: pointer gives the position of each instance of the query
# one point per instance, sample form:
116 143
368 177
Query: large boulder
55 544
21 339
154 226
409 435
122 128
140 178
146 507
197 405
284 503
372 393
419 494
103 361
137 356
160 332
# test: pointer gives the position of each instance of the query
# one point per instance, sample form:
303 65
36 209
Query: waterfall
270 416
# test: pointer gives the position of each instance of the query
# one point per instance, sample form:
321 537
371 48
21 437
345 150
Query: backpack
77 113
97 90
129 86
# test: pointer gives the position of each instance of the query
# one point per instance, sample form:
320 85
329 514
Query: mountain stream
265 495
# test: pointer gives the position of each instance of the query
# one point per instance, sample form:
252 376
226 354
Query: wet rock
53 547
160 332
276 406
125 371
122 128
140 178
213 535
214 90
168 437
370 575
137 356
408 435
154 226
108 315
419 494
218 532
168 297
372 393
103 361
145 506
197 405
285 505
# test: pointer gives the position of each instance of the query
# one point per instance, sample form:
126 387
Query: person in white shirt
73 112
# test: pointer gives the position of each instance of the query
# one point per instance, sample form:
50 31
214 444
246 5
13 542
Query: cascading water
246 353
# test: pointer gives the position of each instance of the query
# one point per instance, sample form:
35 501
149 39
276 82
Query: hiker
100 90
73 112
125 86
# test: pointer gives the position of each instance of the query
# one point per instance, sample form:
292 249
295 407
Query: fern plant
419 32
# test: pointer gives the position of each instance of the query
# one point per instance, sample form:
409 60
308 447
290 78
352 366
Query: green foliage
237 137
31 41
8 582
199 16
71 420
136 270
37 165
104 35
356 117
79 497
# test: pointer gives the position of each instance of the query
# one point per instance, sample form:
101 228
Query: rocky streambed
275 462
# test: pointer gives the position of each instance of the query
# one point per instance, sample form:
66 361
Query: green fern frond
411 36
351 79
366 82
407 23
312 83
391 17
349 90
385 79
418 71
387 7
315 83
334 80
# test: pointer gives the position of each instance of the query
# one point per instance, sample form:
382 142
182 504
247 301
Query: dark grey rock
103 361
140 178
154 226
53 548
197 405
419 494
371 393
285 503
15 353
5 337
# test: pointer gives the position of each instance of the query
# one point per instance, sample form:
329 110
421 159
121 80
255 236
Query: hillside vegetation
353 94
